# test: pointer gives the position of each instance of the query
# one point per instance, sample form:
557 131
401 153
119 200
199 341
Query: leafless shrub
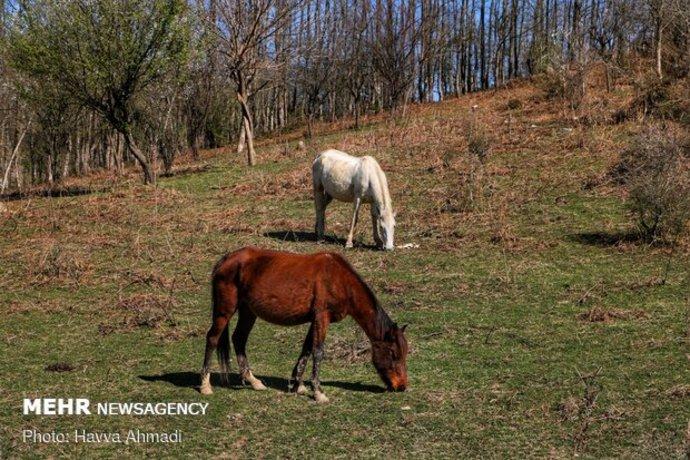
502 232
679 391
348 350
473 186
56 264
478 140
152 311
560 79
601 315
560 82
514 104
658 98
141 310
587 406
656 170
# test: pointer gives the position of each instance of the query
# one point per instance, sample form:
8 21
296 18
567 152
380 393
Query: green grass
498 344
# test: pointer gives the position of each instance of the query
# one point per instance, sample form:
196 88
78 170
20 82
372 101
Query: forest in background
103 84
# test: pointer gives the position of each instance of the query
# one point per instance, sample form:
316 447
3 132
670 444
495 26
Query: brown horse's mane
383 322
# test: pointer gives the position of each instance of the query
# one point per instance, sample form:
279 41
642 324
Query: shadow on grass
187 170
297 236
191 380
52 193
605 239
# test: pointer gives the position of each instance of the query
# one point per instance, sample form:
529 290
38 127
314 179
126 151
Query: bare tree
245 30
394 47
282 63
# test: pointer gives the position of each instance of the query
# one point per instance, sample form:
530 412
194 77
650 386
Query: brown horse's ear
403 327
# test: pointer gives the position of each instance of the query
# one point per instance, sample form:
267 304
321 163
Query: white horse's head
386 228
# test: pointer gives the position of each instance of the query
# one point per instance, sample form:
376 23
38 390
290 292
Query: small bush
478 141
654 97
471 188
656 170
54 264
515 104
558 81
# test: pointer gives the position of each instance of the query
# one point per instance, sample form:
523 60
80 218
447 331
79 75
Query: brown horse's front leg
320 326
297 384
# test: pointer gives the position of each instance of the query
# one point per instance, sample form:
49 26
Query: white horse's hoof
205 390
349 245
301 390
320 398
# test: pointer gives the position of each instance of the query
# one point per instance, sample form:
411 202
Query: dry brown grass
58 264
607 315
151 311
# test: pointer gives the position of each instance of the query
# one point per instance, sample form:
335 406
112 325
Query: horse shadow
299 236
606 239
191 380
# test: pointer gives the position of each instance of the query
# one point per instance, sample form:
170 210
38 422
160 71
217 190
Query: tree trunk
49 169
6 177
242 141
658 34
65 165
248 129
356 108
149 177
310 122
196 146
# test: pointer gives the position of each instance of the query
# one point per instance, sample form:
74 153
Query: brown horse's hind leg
245 323
298 371
320 326
219 326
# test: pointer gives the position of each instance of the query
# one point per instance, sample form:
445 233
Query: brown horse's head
390 358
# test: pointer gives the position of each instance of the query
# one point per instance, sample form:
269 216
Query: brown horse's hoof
320 398
255 383
258 385
205 390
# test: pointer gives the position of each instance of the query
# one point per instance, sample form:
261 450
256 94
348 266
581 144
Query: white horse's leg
320 203
375 226
351 235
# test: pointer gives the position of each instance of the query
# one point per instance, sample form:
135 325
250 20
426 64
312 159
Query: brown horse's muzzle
397 384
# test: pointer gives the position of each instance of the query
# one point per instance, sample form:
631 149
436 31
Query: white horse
355 180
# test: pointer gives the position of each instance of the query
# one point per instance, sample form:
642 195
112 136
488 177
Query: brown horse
288 289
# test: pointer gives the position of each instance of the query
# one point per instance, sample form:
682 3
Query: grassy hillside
538 325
